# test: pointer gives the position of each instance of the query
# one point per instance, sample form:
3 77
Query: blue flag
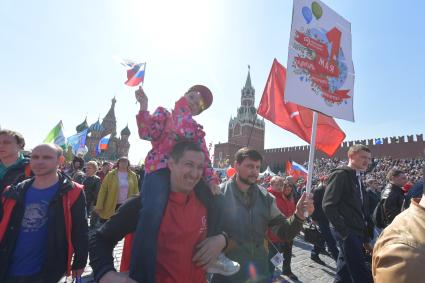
77 141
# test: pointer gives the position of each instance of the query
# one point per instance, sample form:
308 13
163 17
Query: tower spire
248 78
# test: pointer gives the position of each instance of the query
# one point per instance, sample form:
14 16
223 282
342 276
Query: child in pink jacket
164 129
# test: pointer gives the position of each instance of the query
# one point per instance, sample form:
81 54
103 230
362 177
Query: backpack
378 216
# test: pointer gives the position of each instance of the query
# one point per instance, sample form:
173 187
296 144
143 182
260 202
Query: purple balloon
307 14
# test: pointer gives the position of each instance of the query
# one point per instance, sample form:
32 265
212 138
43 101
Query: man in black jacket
345 204
393 194
44 224
13 165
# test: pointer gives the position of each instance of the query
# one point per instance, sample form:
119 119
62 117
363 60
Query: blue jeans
351 266
154 194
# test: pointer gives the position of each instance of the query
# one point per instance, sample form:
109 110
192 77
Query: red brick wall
396 147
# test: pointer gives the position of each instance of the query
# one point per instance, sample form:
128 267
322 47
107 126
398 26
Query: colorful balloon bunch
315 10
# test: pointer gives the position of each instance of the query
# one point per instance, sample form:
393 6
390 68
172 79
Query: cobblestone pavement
308 270
302 266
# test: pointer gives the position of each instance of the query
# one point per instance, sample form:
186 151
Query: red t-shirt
183 226
287 207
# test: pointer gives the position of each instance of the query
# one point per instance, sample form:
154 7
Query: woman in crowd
285 201
91 189
118 185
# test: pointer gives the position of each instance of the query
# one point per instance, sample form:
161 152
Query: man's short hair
181 147
247 152
58 149
18 137
394 172
358 147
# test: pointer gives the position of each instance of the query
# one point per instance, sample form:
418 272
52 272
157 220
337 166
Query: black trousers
37 278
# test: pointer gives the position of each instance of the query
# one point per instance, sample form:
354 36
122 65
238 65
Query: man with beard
250 210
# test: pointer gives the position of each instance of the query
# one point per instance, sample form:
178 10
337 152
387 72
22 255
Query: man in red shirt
183 250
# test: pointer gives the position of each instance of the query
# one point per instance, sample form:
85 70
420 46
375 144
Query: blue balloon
307 14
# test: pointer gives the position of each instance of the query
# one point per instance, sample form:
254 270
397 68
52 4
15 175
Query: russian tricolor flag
136 74
296 170
299 168
103 144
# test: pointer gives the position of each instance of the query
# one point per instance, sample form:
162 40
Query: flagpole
144 76
143 79
312 150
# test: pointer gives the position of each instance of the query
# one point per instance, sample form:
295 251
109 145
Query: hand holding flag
142 99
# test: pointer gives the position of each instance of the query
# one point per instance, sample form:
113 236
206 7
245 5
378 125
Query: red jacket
287 207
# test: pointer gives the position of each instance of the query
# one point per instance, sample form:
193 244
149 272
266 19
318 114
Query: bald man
44 224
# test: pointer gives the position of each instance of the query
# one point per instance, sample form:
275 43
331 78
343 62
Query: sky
57 62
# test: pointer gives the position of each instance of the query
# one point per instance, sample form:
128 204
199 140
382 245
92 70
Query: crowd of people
180 222
377 169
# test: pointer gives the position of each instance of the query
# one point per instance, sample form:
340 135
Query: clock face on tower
246 103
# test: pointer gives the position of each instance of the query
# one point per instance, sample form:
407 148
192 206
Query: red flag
295 118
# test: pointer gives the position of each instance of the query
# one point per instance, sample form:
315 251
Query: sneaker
224 266
316 258
290 275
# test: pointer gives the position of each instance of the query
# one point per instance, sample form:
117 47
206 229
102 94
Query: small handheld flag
103 144
135 71
136 75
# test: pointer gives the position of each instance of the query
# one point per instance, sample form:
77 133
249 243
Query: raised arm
151 127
